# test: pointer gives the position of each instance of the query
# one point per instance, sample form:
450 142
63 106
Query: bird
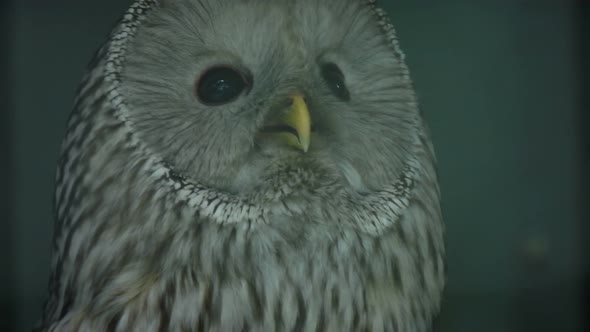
247 165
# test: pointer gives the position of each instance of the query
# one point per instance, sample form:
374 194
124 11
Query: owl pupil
220 85
335 80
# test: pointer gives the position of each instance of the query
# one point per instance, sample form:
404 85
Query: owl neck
371 213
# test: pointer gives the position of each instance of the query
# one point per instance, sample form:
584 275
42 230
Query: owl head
257 95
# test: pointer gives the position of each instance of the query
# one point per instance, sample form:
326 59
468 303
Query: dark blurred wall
6 245
583 75
499 84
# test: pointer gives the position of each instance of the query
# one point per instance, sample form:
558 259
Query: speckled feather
142 244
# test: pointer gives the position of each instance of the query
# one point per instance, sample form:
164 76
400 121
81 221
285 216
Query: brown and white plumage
175 213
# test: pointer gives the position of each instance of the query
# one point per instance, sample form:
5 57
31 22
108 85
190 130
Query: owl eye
221 85
335 80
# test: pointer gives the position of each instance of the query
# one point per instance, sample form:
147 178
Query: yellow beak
294 126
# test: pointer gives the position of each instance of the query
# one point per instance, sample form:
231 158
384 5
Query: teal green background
498 84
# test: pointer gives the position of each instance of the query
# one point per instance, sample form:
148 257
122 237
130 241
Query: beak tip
305 146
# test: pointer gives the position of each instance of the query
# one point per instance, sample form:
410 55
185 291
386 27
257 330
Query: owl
247 165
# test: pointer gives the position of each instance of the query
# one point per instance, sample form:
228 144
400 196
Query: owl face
248 95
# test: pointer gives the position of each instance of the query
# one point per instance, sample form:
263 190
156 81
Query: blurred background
500 83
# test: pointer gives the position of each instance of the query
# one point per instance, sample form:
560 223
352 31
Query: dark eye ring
220 85
335 80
